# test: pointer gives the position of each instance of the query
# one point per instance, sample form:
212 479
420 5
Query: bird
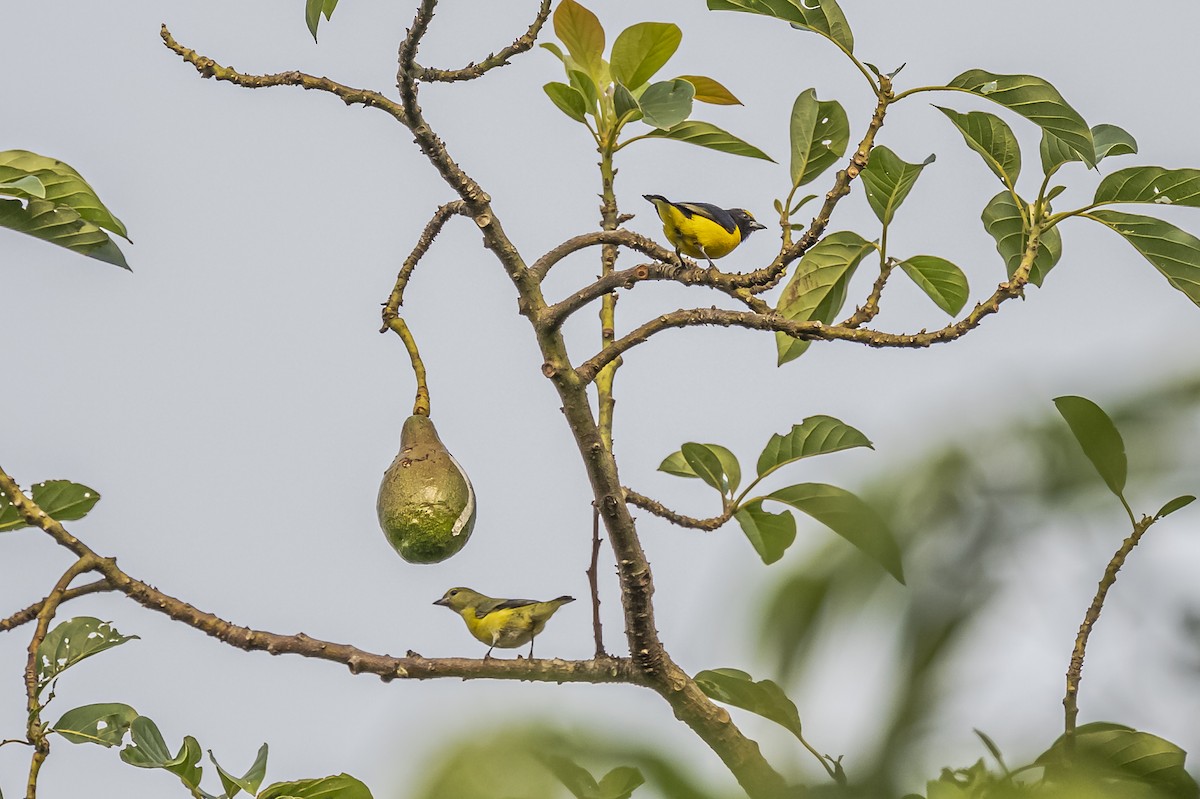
504 623
703 230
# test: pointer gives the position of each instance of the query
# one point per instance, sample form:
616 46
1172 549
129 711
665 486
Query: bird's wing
708 211
484 608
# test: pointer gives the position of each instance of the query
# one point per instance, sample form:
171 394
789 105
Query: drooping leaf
764 697
1176 504
769 533
823 17
1098 437
340 786
704 134
621 782
817 289
72 641
62 500
1108 139
580 30
625 105
819 132
104 724
148 749
568 100
710 91
1174 252
1003 221
1118 752
849 517
816 435
63 187
1151 184
24 186
941 280
313 9
888 179
62 226
707 465
667 103
249 781
991 137
1036 100
642 49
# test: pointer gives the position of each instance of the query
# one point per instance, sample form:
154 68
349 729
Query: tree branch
471 71
209 68
658 509
432 228
30 613
870 308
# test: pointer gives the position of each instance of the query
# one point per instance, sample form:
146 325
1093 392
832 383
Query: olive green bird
702 230
504 623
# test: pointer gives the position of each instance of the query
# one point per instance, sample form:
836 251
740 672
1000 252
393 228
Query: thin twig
471 71
594 583
432 228
870 308
30 613
658 509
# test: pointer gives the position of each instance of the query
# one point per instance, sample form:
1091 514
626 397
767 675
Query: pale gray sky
235 405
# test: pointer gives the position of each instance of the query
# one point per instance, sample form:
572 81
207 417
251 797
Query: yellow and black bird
702 230
504 623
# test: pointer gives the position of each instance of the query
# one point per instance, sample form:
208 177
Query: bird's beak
756 226
443 602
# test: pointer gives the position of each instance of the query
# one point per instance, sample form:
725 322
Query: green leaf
991 137
710 91
149 750
62 500
1099 438
72 641
1002 220
642 49
578 780
819 134
341 786
249 781
104 724
849 517
621 782
568 99
63 187
816 435
823 17
1108 139
667 103
62 226
817 289
707 465
888 180
704 134
770 533
765 697
944 282
24 186
583 83
1174 252
1176 504
1116 751
1037 101
313 9
1151 184
580 30
625 104
677 465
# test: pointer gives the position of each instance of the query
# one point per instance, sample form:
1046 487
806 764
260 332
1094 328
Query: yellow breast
507 629
695 235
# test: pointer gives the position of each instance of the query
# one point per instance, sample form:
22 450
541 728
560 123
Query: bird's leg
489 652
531 648
707 258
679 256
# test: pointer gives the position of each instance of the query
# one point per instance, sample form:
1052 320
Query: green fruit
426 504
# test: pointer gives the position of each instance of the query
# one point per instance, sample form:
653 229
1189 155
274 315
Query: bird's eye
453 593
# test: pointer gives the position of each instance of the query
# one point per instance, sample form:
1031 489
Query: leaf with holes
704 134
991 137
62 500
1174 252
820 132
769 533
1151 184
816 435
888 179
942 281
1099 438
104 724
1003 221
72 641
817 289
62 226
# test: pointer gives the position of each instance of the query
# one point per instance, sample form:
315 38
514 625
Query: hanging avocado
426 504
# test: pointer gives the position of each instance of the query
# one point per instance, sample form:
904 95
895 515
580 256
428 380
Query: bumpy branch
658 509
211 69
30 613
471 71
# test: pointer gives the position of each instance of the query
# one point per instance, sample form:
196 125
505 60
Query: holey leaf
72 641
820 132
1003 222
816 435
1173 252
1036 100
103 724
991 137
849 517
817 289
1151 184
63 226
62 501
820 16
1098 437
888 179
